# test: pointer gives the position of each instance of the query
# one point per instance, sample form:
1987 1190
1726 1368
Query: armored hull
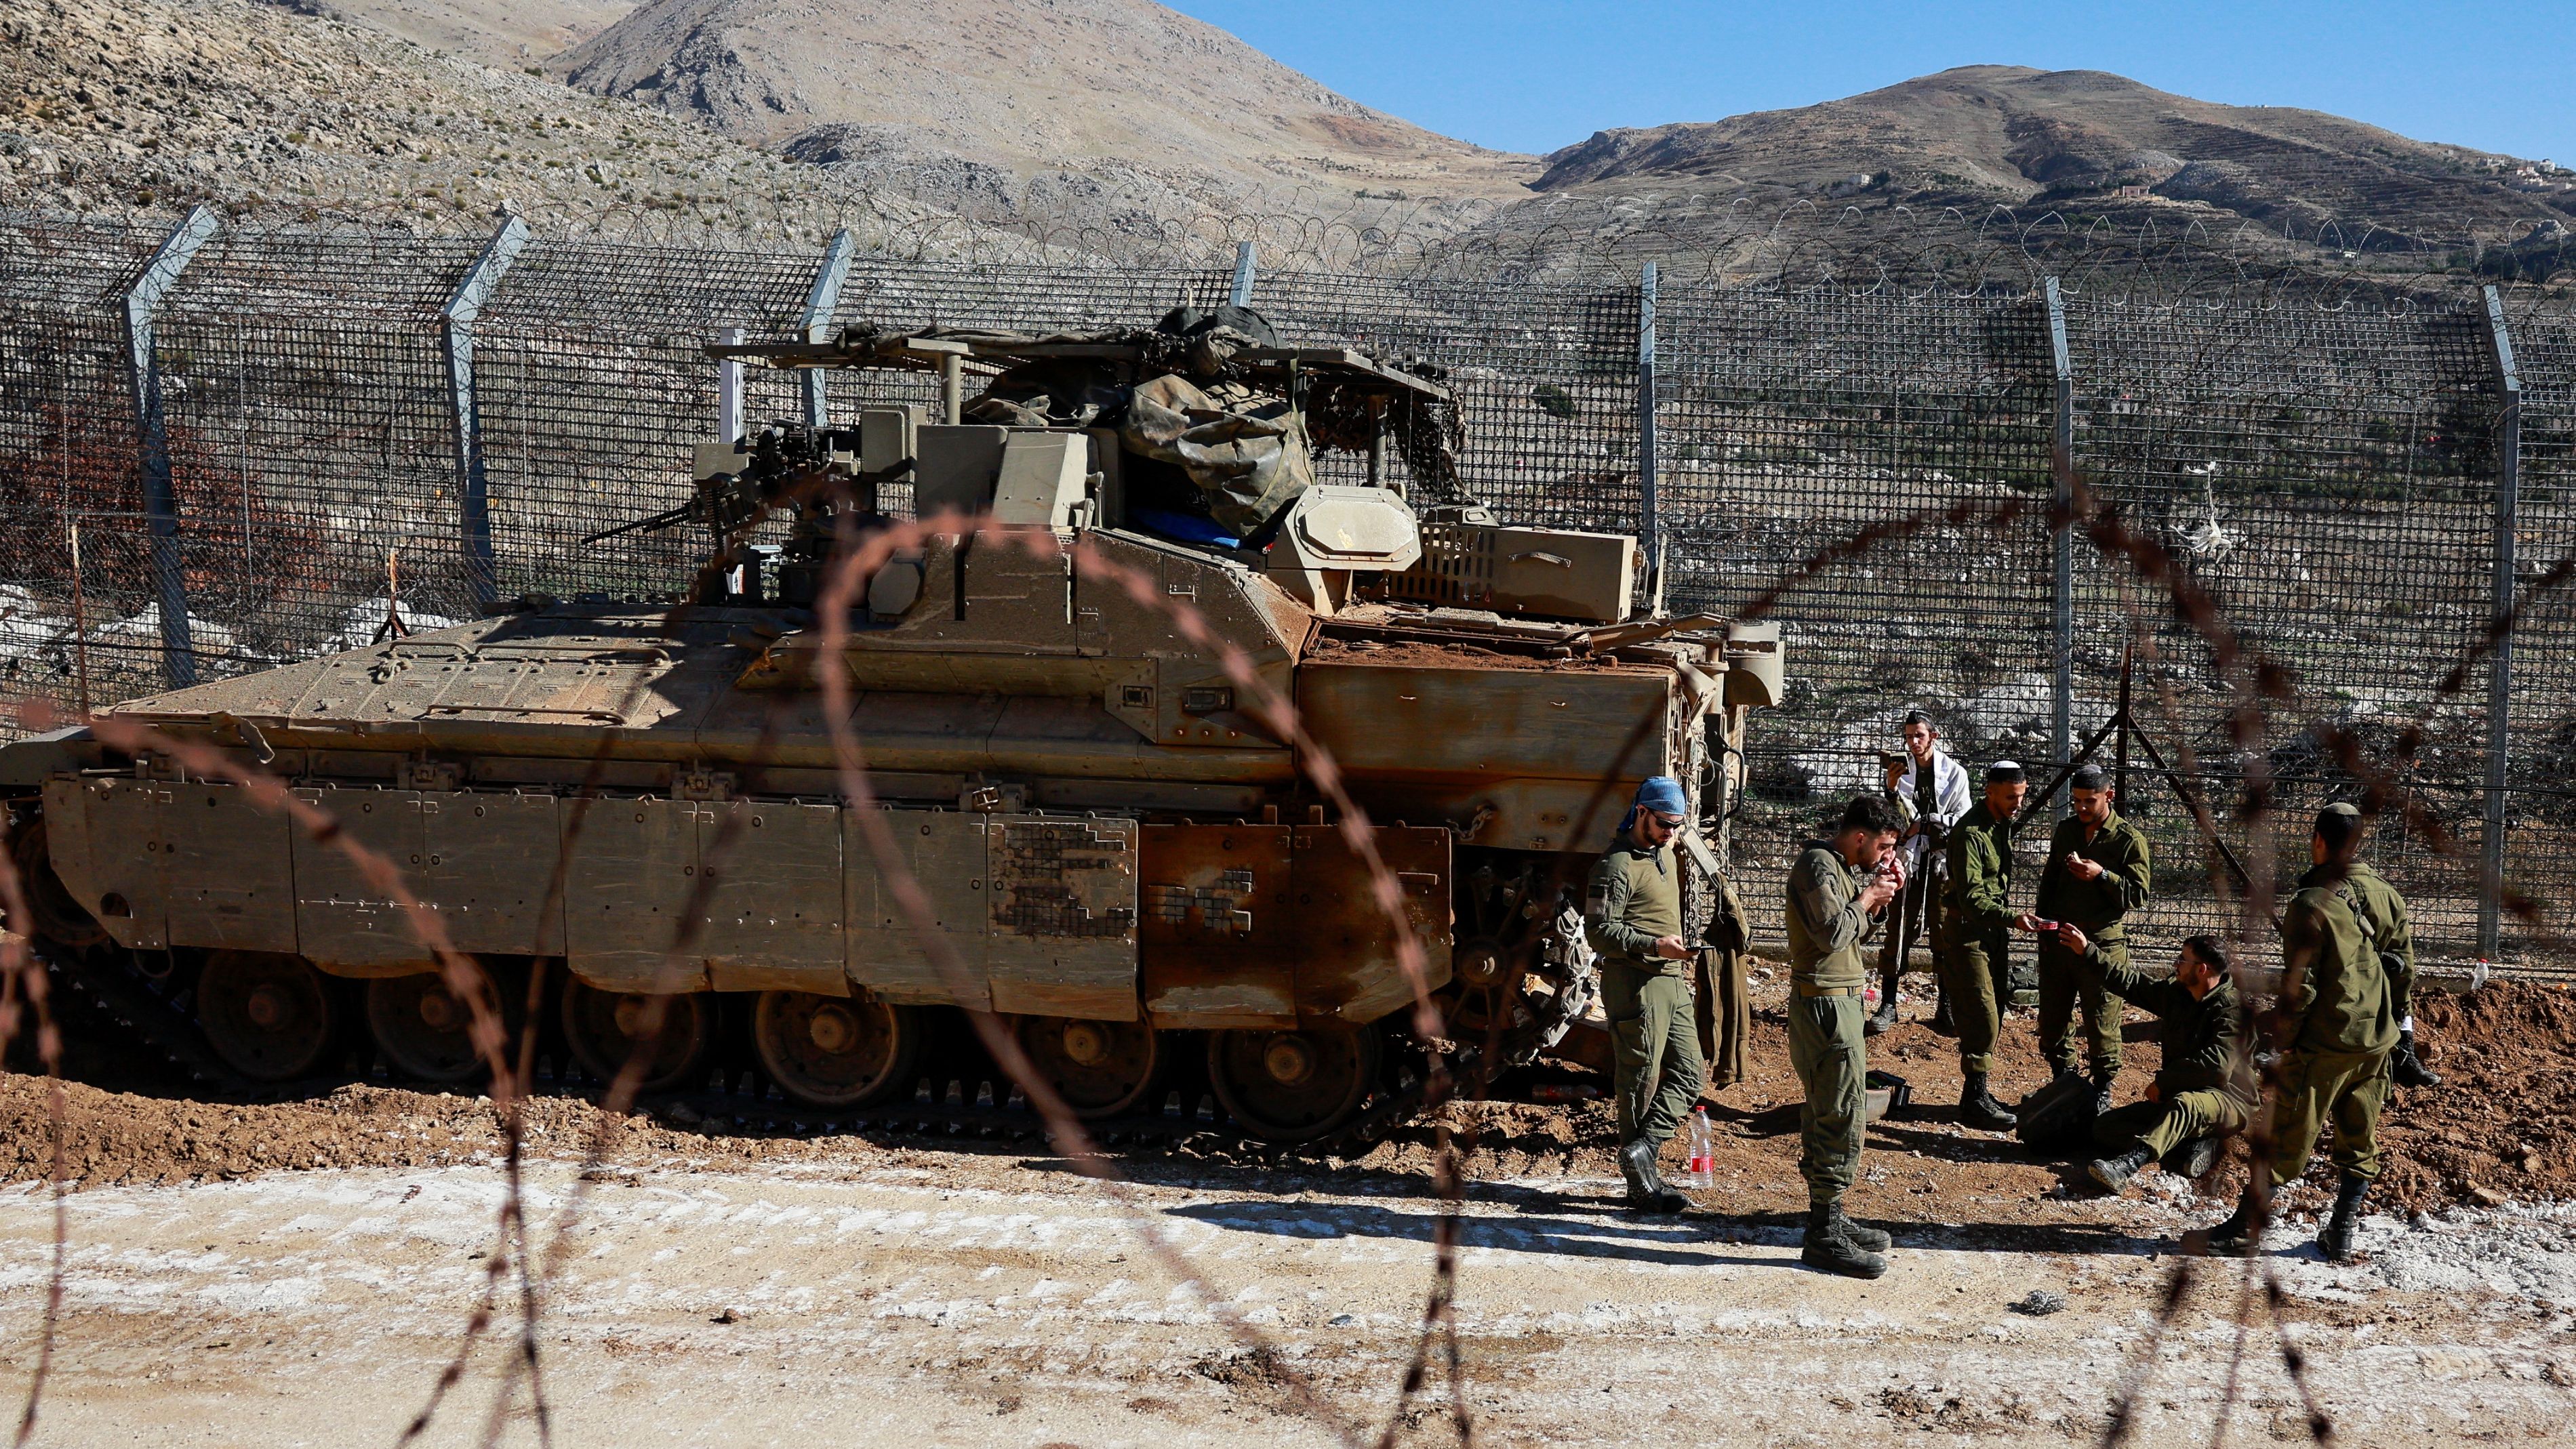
1121 850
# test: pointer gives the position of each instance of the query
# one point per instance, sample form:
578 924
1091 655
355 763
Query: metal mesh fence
2324 467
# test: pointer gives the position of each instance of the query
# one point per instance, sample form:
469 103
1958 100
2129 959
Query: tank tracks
106 993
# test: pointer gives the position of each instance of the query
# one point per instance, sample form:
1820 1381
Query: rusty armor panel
491 860
1215 938
1538 747
944 852
773 922
111 860
1347 964
634 866
1063 896
230 870
342 919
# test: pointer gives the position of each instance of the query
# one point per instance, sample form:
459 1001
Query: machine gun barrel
649 523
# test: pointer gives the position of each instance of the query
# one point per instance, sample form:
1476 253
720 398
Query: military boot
1646 1191
1882 1020
1867 1239
2234 1238
2114 1172
2103 1077
2195 1158
1979 1109
2407 1069
1943 1023
1830 1248
2336 1240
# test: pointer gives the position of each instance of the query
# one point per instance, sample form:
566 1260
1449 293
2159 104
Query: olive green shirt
1981 866
2332 986
2383 916
2204 1036
1634 899
2097 905
1826 922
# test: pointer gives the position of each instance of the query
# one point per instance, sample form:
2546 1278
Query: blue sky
1533 75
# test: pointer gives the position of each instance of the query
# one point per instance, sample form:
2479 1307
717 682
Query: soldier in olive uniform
2205 1088
1836 891
2334 1012
1632 915
2383 914
2096 875
1978 950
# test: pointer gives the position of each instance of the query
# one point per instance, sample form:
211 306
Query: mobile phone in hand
2040 927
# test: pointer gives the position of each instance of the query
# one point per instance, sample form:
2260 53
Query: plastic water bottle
1703 1151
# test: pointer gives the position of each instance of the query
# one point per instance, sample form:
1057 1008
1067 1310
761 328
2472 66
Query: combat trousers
2321 1089
1723 1008
1826 1051
1971 977
2162 1126
1654 1045
2064 985
1915 916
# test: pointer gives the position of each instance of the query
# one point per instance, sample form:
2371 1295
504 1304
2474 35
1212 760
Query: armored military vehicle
1126 854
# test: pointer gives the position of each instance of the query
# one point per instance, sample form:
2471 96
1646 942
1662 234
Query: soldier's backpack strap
2370 926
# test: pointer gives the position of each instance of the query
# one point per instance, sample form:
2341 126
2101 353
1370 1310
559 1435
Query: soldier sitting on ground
2205 1088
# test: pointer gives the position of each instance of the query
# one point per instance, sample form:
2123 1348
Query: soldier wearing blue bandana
1632 915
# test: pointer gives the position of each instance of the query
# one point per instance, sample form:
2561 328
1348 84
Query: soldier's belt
1804 988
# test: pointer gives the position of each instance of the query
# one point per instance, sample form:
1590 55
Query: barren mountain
1031 88
510 33
2020 136
110 104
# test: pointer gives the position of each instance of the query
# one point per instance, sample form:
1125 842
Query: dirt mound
2493 1133
2498 1127
118 1137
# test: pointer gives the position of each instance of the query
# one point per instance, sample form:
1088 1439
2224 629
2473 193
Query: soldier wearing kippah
1978 949
2097 873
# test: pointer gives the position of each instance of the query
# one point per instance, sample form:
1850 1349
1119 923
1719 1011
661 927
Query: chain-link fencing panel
2326 478
2323 467
1792 423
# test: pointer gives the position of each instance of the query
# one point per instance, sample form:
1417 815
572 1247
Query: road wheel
836 1051
268 1016
1293 1086
606 1028
423 1029
52 914
1100 1068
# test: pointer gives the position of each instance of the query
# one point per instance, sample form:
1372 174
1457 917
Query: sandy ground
937 1297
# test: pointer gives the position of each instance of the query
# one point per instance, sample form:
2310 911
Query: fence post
456 336
152 438
2508 505
2061 469
1649 519
1241 293
820 304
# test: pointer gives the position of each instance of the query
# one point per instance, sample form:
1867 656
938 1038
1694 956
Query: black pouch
2058 1118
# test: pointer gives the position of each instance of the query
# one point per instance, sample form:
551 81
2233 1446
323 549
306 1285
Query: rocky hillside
113 104
2009 134
1121 104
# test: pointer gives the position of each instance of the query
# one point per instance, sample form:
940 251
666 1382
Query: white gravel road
968 1299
